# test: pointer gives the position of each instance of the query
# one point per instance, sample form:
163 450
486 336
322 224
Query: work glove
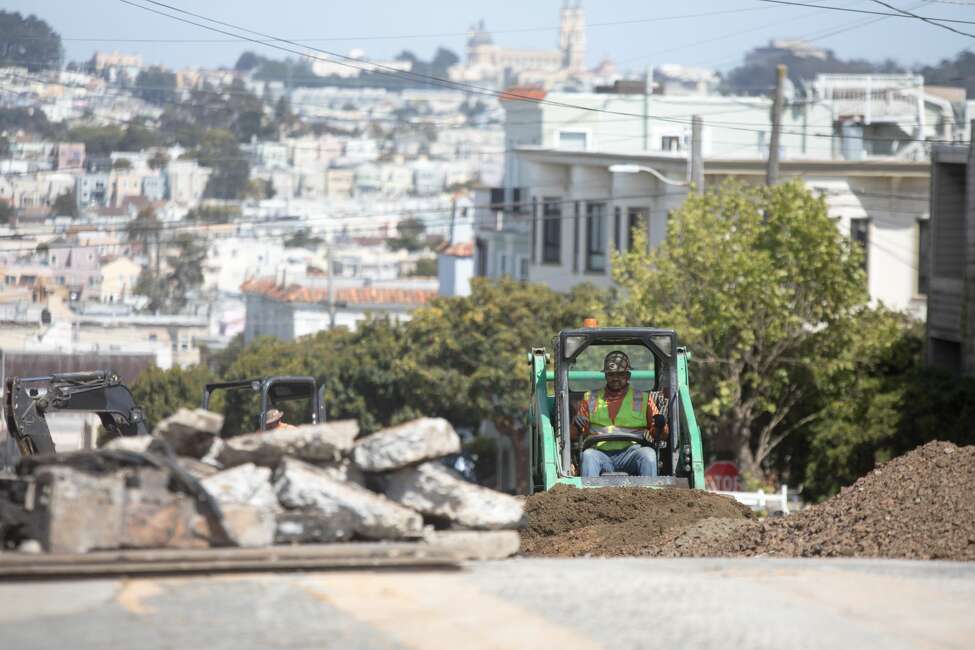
581 422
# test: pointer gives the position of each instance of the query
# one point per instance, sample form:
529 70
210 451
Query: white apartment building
563 211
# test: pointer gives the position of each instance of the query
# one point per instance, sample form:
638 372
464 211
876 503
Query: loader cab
244 403
574 367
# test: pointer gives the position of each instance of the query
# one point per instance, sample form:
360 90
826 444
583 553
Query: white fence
762 501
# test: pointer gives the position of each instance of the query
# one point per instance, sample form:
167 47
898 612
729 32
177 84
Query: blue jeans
634 460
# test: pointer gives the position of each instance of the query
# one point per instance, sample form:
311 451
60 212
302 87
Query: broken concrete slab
435 491
313 442
127 508
197 469
247 500
309 525
190 433
137 444
70 500
245 484
304 487
476 544
407 444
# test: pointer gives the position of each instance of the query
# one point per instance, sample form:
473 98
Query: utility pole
453 219
697 158
331 286
647 91
772 175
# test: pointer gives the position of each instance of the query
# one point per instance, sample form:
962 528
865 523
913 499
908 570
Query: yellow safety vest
631 418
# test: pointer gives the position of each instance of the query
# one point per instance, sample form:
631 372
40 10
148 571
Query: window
534 229
481 249
576 208
572 141
523 269
552 231
618 228
860 233
670 143
636 218
923 256
596 237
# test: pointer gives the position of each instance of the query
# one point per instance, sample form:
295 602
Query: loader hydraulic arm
27 400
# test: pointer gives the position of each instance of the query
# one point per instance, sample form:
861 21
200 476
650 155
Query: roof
465 249
347 295
523 93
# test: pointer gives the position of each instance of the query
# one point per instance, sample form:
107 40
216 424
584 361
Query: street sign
722 475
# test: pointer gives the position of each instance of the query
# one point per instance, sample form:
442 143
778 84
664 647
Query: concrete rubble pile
186 487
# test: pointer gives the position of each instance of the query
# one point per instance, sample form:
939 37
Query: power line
474 89
318 39
928 20
901 14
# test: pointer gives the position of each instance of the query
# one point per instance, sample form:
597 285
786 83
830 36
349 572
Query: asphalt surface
577 603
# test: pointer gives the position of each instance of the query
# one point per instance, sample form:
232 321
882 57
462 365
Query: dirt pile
918 506
621 521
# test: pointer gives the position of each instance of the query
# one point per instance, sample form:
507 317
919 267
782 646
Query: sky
647 32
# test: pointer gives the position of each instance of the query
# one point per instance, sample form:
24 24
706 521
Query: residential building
288 312
70 156
186 181
233 260
949 262
339 182
75 267
93 190
578 212
118 279
455 269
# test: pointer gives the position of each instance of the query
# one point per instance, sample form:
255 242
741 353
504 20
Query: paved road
564 604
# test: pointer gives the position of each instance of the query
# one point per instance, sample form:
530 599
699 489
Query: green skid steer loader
659 366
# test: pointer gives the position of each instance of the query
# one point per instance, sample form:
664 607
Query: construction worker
275 420
619 408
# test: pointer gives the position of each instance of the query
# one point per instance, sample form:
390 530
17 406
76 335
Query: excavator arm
27 400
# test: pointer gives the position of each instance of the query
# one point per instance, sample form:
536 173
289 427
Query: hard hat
616 361
273 416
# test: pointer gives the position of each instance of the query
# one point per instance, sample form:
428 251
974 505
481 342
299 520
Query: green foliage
953 72
161 393
158 161
220 151
65 205
426 267
168 290
29 120
883 406
29 41
247 62
98 140
213 214
156 86
768 295
122 164
139 138
303 239
410 233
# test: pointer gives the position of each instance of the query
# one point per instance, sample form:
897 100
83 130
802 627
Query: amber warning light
590 323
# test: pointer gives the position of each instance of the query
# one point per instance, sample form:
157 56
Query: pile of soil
918 506
567 521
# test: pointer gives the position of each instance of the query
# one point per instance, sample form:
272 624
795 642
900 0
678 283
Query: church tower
572 37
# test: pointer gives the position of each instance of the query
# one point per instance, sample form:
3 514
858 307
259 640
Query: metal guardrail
761 500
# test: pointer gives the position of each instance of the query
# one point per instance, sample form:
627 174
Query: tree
29 120
953 72
158 161
6 213
883 405
156 85
122 164
767 294
220 151
425 267
65 205
443 60
247 61
410 231
99 141
303 239
186 270
138 138
161 393
29 42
